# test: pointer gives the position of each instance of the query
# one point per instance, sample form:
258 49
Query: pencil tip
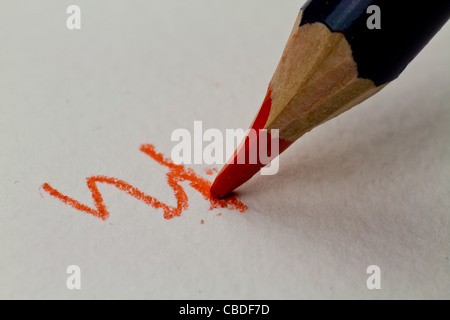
221 186
213 191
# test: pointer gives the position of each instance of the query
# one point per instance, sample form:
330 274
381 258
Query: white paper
370 187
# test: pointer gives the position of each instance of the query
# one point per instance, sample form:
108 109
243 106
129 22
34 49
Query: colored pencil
337 56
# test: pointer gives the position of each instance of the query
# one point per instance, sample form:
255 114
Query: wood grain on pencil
316 80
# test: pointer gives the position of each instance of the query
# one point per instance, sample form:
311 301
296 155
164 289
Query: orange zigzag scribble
176 174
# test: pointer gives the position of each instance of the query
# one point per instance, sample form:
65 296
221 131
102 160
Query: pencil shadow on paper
354 184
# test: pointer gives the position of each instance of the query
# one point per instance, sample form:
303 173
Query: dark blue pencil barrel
401 30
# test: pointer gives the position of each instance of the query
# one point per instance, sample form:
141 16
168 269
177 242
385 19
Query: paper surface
371 187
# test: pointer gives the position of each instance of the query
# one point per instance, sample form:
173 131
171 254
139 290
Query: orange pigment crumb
210 171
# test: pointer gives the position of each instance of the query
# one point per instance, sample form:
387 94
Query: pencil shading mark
177 173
